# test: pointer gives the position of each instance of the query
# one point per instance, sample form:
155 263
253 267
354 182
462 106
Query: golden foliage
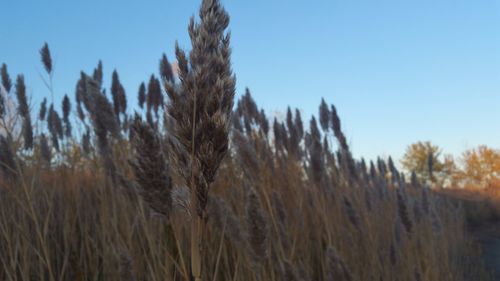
424 158
480 167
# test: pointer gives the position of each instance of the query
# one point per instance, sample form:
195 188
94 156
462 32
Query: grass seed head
257 225
46 58
7 159
6 82
151 169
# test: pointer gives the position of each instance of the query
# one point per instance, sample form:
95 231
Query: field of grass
481 206
192 187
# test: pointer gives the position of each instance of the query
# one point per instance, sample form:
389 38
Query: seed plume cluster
151 169
194 185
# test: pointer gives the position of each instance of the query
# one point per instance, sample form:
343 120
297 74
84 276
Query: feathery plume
315 133
151 169
344 147
257 225
293 136
166 72
246 156
122 99
298 124
201 108
278 136
6 82
43 109
27 131
279 210
118 95
351 212
249 106
394 172
55 123
81 96
141 96
404 212
316 155
45 150
203 104
2 104
263 122
373 170
247 123
86 142
23 108
101 111
222 217
98 75
66 108
324 116
382 167
46 59
7 162
180 199
79 110
154 98
104 122
284 134
55 126
337 130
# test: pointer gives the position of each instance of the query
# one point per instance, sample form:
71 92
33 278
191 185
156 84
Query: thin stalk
196 221
179 250
219 252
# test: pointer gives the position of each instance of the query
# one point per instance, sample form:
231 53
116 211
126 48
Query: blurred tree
424 159
480 167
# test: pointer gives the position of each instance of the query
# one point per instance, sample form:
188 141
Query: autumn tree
428 163
480 167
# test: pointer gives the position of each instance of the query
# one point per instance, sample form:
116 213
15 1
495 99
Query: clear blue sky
397 70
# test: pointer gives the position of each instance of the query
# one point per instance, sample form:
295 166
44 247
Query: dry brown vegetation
481 206
191 192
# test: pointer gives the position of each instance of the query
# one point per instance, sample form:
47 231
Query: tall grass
191 192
